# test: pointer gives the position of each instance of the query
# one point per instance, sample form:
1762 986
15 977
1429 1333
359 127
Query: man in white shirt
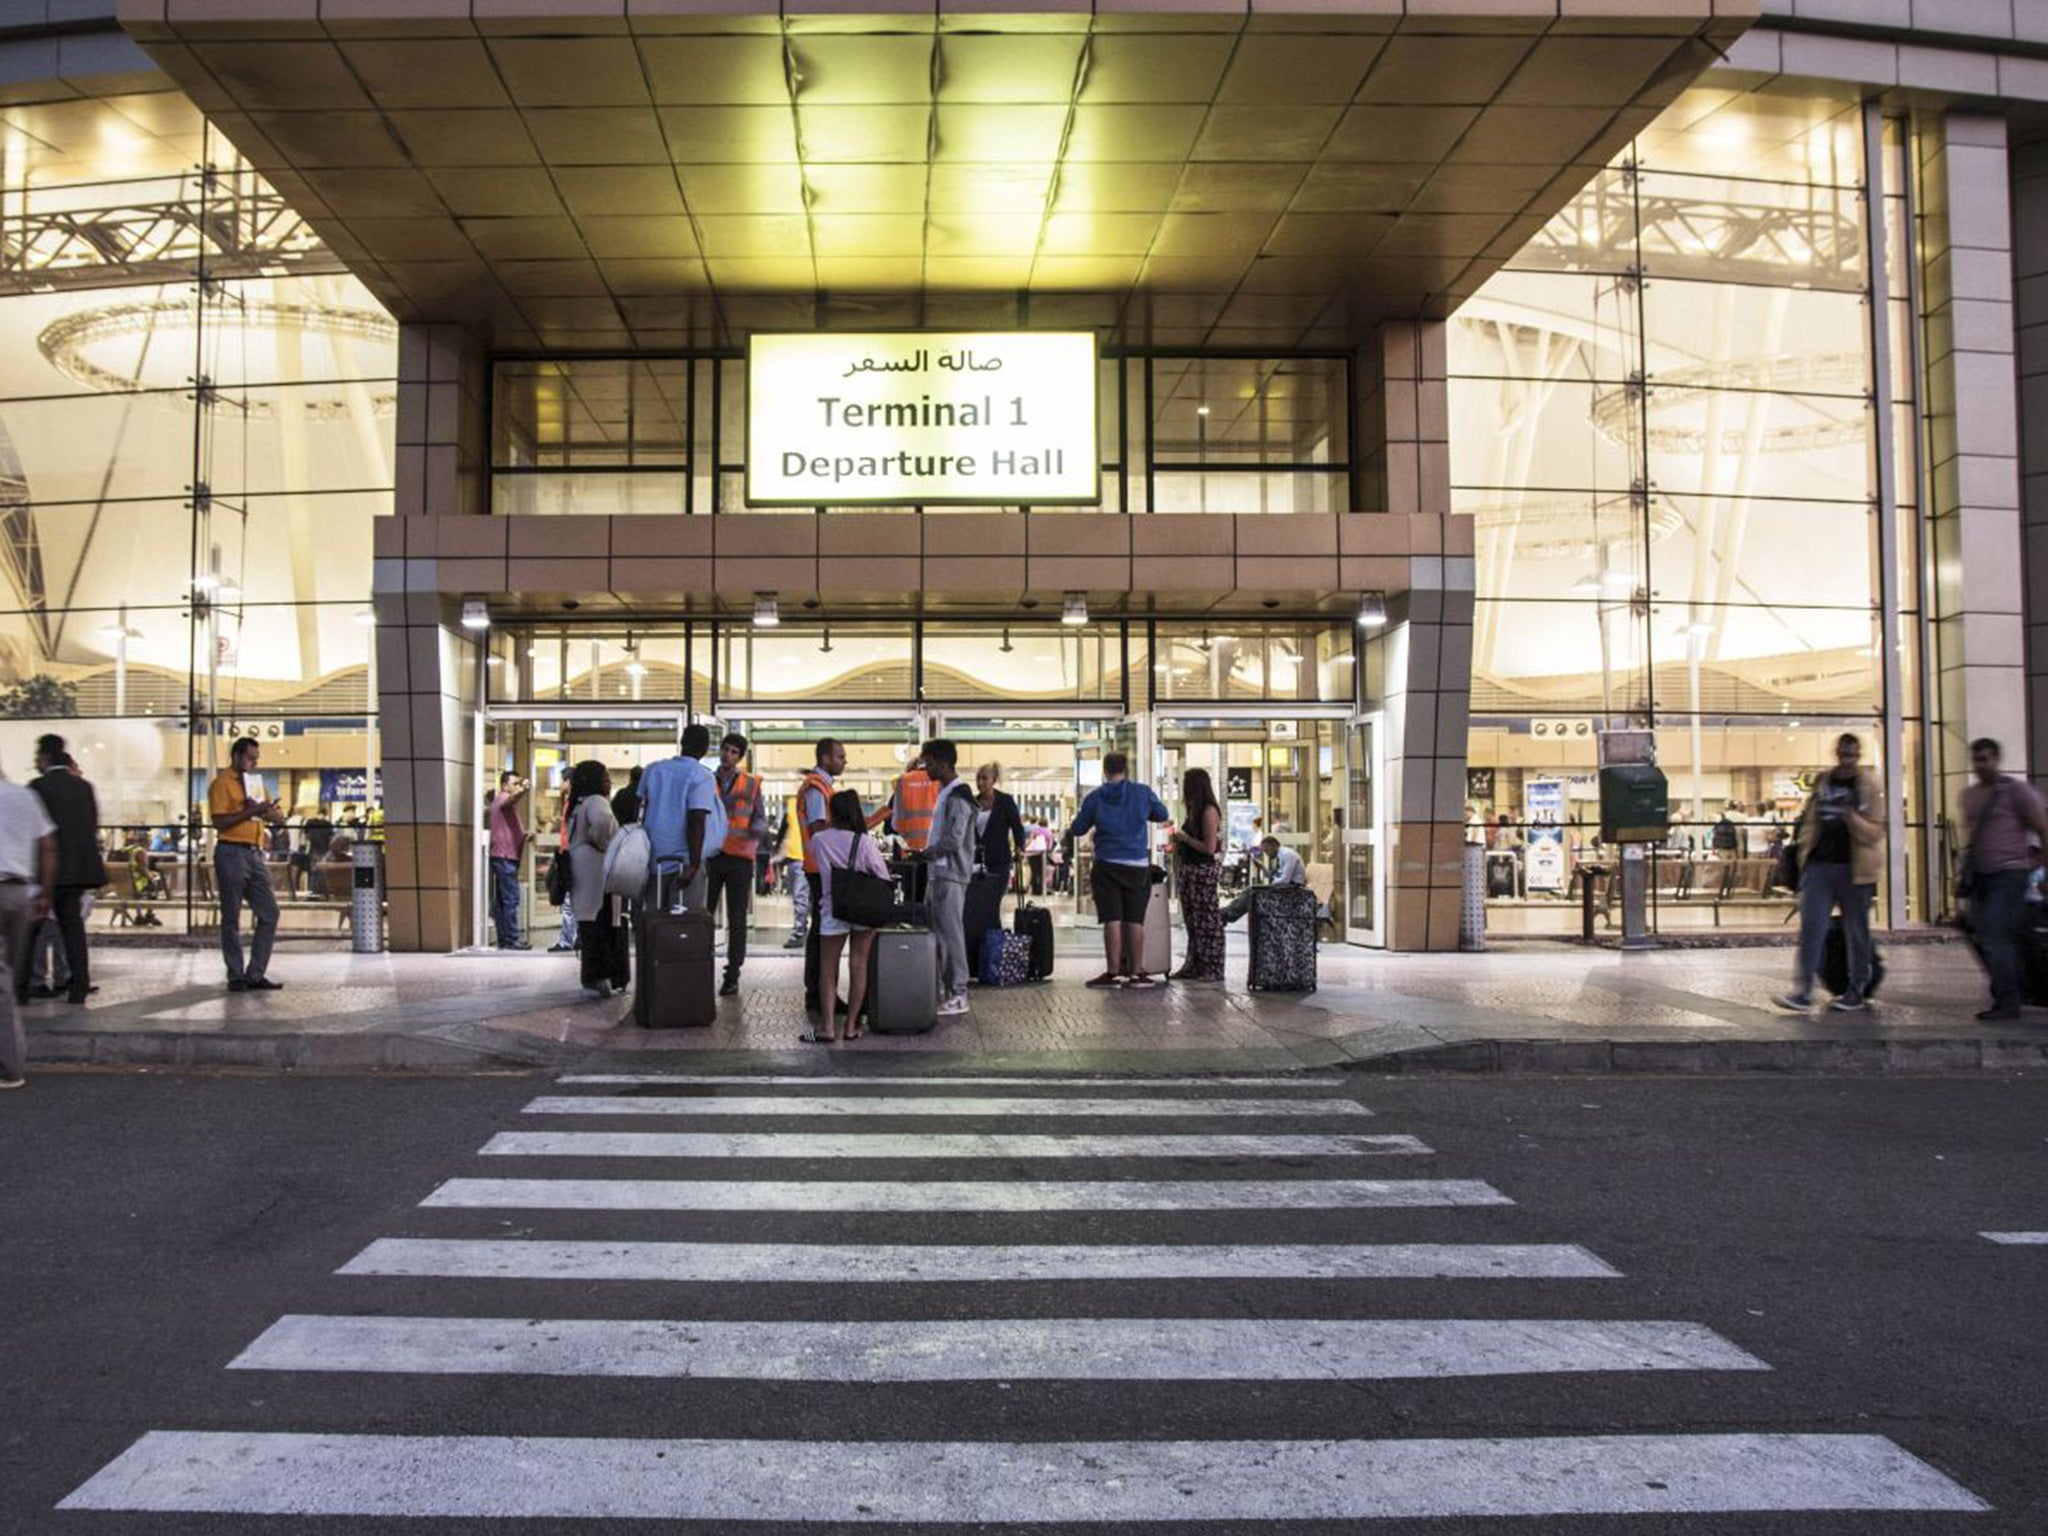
28 873
1284 868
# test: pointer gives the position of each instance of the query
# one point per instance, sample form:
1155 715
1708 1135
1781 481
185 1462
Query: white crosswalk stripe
972 1482
961 1195
544 1470
2017 1239
990 1349
1066 1109
645 1144
880 1263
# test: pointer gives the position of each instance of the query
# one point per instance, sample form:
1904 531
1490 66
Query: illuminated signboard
922 417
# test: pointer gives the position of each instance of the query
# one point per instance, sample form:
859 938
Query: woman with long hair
1196 840
601 932
843 844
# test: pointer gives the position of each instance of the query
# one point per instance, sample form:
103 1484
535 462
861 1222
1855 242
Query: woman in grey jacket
601 931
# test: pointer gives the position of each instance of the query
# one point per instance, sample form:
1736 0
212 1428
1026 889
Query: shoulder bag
862 899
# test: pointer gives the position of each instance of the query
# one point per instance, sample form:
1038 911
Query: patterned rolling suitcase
903 982
1283 935
676 971
1035 923
1005 958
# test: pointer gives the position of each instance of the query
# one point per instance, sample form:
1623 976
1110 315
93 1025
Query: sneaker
1106 981
1849 1003
952 1006
516 944
1141 980
13 1082
559 948
601 991
794 941
730 987
1795 1002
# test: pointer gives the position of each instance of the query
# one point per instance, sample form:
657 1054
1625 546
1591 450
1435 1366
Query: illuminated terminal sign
922 417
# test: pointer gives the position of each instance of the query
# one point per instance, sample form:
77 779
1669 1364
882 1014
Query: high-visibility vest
740 798
812 780
916 798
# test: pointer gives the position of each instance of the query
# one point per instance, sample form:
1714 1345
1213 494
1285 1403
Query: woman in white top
843 844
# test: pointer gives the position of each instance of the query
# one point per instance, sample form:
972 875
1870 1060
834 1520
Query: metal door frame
1366 729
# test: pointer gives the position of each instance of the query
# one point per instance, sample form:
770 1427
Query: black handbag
558 879
862 899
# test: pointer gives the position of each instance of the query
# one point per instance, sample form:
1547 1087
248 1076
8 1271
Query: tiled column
426 662
2030 267
1980 651
1421 665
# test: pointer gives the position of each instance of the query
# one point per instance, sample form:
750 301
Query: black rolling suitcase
675 969
982 910
903 982
1283 937
1035 923
910 876
1834 963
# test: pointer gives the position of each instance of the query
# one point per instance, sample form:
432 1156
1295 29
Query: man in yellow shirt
239 811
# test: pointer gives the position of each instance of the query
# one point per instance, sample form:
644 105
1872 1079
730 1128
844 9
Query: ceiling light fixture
1372 610
1076 609
766 614
475 615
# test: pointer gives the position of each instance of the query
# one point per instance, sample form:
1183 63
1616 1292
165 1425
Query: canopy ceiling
643 174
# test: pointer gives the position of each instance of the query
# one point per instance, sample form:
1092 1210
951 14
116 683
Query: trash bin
366 900
1472 912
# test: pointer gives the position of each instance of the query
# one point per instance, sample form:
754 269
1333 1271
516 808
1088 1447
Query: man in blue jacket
1120 814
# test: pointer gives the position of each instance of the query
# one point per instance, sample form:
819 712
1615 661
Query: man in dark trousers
75 811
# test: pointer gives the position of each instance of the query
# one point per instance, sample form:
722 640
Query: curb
1667 1057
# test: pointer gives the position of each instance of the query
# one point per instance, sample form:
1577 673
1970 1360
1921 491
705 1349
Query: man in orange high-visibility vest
814 815
909 811
732 867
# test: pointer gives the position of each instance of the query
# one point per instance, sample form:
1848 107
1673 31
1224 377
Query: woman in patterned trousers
1196 841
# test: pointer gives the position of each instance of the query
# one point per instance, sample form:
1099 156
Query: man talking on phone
236 802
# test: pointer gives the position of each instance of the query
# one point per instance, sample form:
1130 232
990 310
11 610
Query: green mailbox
1635 803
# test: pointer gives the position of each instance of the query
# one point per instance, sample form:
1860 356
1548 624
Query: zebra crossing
972 1260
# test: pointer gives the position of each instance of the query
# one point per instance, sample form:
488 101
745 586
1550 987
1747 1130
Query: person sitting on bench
1284 867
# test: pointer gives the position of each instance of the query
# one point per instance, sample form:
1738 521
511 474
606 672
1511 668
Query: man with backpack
2000 814
1841 855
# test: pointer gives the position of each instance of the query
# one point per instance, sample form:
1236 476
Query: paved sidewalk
1522 1008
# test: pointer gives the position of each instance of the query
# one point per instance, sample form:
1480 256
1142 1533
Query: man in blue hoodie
1120 815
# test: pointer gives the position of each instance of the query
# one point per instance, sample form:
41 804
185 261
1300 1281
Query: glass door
1364 870
541 745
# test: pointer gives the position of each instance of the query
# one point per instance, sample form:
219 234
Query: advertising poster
1545 854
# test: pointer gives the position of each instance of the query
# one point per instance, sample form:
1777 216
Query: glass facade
1662 425
611 436
196 423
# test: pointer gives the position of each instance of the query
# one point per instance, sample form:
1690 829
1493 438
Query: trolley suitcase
903 982
1834 963
1158 955
675 971
1035 923
981 912
1283 937
1004 958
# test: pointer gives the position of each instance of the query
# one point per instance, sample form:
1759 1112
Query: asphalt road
153 1227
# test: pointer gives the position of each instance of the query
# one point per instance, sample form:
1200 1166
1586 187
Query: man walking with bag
2000 813
1841 854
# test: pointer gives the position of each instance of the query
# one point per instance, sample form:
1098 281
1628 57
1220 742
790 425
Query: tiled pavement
1528 1007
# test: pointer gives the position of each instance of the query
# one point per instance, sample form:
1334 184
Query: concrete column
2030 268
1972 442
1420 666
426 662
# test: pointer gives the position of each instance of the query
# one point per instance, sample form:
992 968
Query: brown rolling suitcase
675 971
